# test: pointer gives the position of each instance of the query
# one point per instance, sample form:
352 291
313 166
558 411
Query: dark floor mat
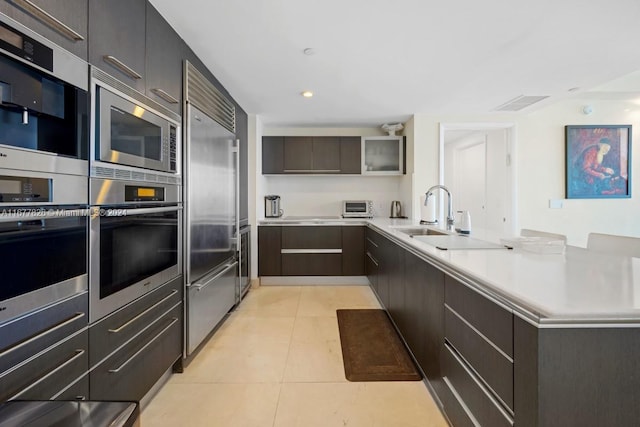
372 349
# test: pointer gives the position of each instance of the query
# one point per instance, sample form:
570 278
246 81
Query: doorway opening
477 164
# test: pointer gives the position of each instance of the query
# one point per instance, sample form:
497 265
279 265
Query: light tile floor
277 362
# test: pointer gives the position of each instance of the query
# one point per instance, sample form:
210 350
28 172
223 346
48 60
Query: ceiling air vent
520 102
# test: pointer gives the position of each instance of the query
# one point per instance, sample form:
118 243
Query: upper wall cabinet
164 49
383 155
117 39
310 155
62 22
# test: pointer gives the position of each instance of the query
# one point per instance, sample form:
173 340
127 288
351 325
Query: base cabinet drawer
495 367
463 385
44 377
135 368
113 331
312 264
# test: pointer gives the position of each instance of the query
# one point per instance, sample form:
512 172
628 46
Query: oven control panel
20 189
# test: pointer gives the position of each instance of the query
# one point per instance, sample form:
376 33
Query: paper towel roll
428 213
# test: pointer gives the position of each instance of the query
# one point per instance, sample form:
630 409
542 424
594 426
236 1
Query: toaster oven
357 209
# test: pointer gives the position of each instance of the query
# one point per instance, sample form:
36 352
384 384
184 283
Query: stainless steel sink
420 231
457 242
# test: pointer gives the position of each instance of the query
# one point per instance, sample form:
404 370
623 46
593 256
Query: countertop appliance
272 206
52 413
357 209
135 241
211 207
396 209
132 133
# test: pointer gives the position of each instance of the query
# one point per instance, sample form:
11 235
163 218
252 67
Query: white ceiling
381 61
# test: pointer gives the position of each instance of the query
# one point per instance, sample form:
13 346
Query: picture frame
598 161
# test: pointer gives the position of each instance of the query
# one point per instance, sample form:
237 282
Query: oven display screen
11 187
135 193
146 192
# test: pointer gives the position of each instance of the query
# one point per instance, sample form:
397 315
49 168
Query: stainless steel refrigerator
211 212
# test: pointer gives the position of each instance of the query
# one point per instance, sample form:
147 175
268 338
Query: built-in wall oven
132 133
135 241
43 172
43 104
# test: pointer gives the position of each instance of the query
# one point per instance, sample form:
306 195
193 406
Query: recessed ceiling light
307 94
573 89
309 51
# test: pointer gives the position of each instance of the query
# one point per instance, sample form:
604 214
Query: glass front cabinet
383 155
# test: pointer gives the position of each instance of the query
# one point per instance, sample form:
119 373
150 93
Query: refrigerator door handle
236 150
199 287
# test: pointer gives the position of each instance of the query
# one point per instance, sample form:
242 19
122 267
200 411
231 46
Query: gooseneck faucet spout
450 218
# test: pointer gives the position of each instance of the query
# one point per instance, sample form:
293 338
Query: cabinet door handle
144 347
48 19
130 321
76 354
164 95
43 333
122 66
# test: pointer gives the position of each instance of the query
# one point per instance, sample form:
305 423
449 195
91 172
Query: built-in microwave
131 130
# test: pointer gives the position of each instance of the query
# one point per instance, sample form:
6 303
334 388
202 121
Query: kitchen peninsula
509 337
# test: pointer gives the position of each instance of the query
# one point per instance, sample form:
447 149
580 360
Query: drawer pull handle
48 19
372 242
310 171
373 259
310 251
122 66
76 354
60 325
164 95
125 325
144 347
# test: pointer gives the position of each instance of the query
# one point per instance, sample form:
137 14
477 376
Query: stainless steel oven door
132 135
132 251
42 257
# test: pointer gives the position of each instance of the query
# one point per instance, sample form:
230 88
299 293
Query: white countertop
578 286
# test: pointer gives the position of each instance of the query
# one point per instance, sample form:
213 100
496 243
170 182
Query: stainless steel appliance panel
132 251
244 263
211 188
131 134
135 241
42 256
16 186
209 302
43 104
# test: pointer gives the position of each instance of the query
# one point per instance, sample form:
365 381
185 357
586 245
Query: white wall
540 163
542 168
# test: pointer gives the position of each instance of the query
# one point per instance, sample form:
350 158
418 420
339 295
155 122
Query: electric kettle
272 206
396 209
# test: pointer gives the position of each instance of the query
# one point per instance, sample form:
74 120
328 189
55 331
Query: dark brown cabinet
353 251
117 39
70 30
163 69
311 251
310 155
46 353
131 348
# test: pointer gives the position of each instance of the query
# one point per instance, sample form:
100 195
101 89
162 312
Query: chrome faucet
450 218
